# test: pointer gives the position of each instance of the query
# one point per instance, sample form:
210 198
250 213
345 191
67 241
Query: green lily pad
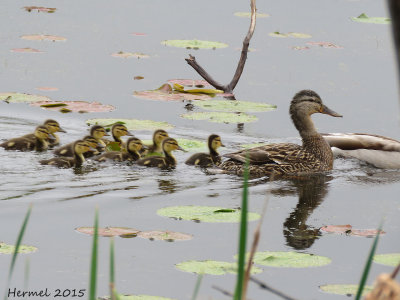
390 259
135 297
221 117
74 106
248 15
211 267
344 289
20 97
211 214
290 259
192 145
194 44
363 18
9 249
132 124
234 106
166 235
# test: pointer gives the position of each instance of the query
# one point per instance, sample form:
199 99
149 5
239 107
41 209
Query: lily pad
135 297
181 89
211 267
123 54
205 214
221 117
189 82
194 44
336 228
169 236
248 15
138 78
138 34
75 106
43 37
290 259
325 45
47 88
344 289
165 93
234 106
192 145
40 9
20 97
363 18
347 229
110 231
132 124
26 50
390 259
9 249
290 34
113 146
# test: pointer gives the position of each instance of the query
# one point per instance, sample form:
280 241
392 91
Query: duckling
133 145
207 159
164 162
118 130
39 142
53 127
68 149
156 148
98 132
80 147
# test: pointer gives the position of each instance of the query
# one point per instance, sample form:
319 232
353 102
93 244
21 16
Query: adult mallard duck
38 142
53 127
68 149
207 159
379 151
98 132
133 147
156 148
164 162
313 156
118 130
80 147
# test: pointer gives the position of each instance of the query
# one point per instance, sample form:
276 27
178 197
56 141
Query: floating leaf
366 232
40 9
65 110
344 289
113 146
234 106
390 259
248 15
9 249
165 93
221 117
76 106
211 267
336 228
347 229
363 18
132 124
194 44
169 236
204 214
47 89
189 82
192 145
26 50
290 259
53 105
130 54
325 45
300 48
110 231
20 97
181 89
290 34
43 37
138 78
138 34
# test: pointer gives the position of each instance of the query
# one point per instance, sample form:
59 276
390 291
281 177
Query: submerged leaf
75 106
248 15
21 97
9 249
132 124
220 117
336 228
344 289
363 18
234 106
26 50
43 37
204 214
290 259
130 54
109 231
390 259
194 44
169 236
212 267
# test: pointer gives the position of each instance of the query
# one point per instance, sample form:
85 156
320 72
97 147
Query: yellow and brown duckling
38 141
98 132
164 162
315 155
156 148
80 147
52 126
68 149
207 159
117 131
133 147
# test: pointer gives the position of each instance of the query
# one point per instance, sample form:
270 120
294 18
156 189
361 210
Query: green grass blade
17 244
367 267
197 287
242 235
93 264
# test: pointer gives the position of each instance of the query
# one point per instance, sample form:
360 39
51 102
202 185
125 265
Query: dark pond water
358 81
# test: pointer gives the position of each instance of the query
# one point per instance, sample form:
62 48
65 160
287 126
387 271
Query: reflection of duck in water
313 156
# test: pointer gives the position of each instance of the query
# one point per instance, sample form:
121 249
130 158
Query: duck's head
120 130
41 132
308 102
53 126
214 142
134 144
98 132
170 144
159 135
92 141
81 147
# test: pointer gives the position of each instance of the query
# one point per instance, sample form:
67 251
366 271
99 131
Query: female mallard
98 132
164 162
156 148
118 130
207 159
133 147
80 147
53 127
379 151
314 155
68 149
38 142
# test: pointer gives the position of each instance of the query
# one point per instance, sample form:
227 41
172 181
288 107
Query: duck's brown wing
152 161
